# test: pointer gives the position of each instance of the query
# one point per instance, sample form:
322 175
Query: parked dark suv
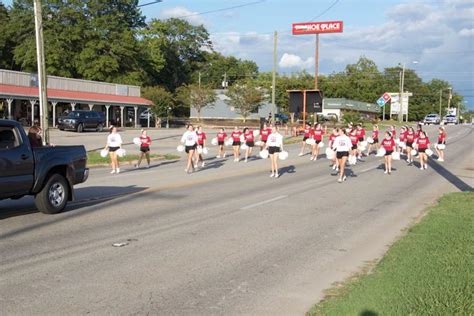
81 121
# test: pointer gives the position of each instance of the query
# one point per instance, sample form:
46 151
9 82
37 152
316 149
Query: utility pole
450 97
199 80
275 41
42 79
402 82
440 101
316 63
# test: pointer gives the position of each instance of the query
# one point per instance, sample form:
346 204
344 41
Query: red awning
72 96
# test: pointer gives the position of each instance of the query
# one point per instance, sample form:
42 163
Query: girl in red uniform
410 137
202 143
389 145
375 138
393 131
332 137
318 133
422 144
249 141
419 130
236 143
221 136
354 142
441 141
145 142
264 132
308 131
360 132
403 138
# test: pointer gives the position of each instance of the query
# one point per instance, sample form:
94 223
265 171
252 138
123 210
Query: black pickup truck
48 173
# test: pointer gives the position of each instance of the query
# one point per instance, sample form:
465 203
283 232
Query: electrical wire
221 10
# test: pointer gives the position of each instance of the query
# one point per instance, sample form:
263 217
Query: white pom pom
364 143
242 138
321 145
396 155
310 141
180 148
199 149
229 142
264 154
256 133
205 151
361 148
121 152
244 147
137 141
214 141
429 152
104 153
352 160
259 143
370 140
283 155
413 152
441 146
329 153
381 152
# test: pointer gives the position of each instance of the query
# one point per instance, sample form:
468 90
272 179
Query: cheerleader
393 131
221 136
360 132
145 142
375 138
422 144
201 143
249 141
318 133
308 131
389 145
264 132
235 135
275 145
402 139
190 140
342 145
441 141
419 130
354 142
410 137
114 143
332 137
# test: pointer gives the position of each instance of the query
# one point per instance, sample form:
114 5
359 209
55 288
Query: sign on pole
317 27
395 103
384 99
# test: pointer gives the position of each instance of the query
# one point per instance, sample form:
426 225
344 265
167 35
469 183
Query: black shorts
388 152
113 149
410 144
189 148
354 146
441 143
376 140
144 149
250 144
317 141
220 143
236 143
273 149
422 150
341 154
264 141
305 138
361 139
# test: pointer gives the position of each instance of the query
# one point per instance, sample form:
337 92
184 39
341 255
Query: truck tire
100 128
80 128
53 196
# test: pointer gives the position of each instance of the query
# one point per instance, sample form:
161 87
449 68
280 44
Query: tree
246 97
195 96
163 101
6 40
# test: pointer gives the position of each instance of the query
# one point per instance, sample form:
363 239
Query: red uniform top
201 137
422 142
308 132
442 138
248 136
332 137
236 136
221 136
360 133
418 133
403 136
410 137
375 135
318 134
264 133
145 141
354 138
388 144
394 133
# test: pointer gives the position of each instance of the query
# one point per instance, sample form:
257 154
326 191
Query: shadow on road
287 169
448 175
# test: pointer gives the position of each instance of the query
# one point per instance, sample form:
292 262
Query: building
339 106
221 110
121 104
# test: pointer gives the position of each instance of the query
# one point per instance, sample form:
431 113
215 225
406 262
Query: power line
326 10
149 3
222 9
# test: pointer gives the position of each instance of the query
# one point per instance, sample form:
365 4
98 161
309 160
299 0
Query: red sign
386 97
317 27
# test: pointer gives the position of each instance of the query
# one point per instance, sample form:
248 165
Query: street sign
317 27
381 102
384 99
395 103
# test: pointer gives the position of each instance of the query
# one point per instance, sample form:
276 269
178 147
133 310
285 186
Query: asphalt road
227 239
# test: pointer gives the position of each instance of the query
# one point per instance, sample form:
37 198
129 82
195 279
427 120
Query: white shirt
189 138
275 140
114 140
342 143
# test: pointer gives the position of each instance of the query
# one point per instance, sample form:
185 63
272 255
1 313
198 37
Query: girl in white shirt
274 145
342 145
114 143
190 140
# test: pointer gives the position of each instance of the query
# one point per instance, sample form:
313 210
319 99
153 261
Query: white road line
264 202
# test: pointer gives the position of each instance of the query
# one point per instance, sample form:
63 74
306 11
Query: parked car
81 121
47 173
432 119
281 118
450 119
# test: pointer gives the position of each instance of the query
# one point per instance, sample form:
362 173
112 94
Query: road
225 240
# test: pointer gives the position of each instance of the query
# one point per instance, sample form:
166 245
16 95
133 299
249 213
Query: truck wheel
53 197
100 128
80 128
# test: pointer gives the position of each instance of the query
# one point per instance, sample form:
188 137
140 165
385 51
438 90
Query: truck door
16 163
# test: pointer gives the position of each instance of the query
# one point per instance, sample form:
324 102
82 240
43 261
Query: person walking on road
249 141
145 142
274 145
114 143
221 136
308 132
190 140
331 139
236 142
201 144
375 139
342 145
354 142
422 144
441 144
388 143
318 133
264 132
410 138
360 132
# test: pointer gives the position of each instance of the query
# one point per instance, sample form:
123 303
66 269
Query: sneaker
334 167
223 156
390 172
136 166
440 159
344 178
203 163
408 161
385 172
276 175
112 172
426 167
118 170
245 160
300 154
339 180
272 175
195 166
148 167
311 158
337 168
218 156
421 168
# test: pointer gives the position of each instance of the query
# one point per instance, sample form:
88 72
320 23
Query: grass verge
94 158
427 272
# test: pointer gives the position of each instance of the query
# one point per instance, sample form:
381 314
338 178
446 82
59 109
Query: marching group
345 146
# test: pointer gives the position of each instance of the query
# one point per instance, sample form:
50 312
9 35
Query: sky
437 34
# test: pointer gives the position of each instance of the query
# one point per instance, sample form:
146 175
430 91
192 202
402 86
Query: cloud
184 13
466 32
295 61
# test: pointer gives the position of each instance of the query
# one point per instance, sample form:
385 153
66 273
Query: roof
352 105
72 96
